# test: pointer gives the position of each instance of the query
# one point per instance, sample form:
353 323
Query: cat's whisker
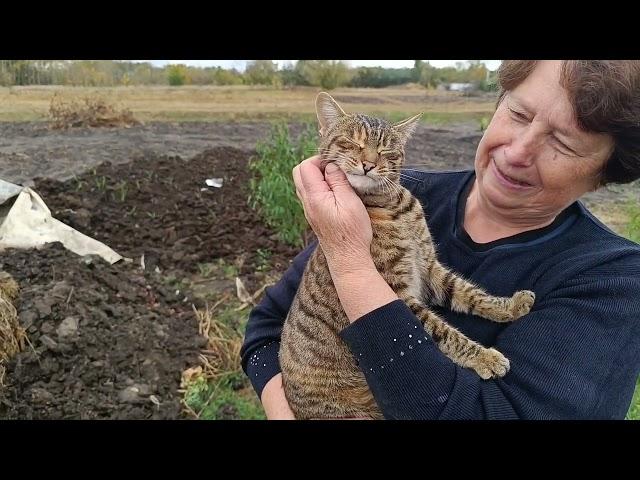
404 169
398 190
401 172
328 150
337 155
382 186
404 175
393 188
389 185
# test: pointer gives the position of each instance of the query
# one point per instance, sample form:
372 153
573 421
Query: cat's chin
363 183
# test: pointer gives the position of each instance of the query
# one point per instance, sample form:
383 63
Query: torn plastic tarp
26 222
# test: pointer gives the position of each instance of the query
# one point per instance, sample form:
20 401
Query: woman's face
533 160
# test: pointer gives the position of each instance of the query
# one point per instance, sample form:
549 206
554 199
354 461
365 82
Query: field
158 337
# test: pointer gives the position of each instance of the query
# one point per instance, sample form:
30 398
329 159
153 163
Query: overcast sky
240 64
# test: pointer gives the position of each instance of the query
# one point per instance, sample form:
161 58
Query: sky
240 64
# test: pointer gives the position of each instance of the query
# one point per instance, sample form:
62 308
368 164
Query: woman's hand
341 222
333 209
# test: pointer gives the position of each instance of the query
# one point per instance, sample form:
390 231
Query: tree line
327 74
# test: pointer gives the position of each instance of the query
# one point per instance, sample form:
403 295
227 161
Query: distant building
460 87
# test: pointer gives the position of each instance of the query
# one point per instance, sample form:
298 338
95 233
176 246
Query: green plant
122 190
229 270
175 282
205 269
177 75
129 213
80 184
483 123
222 400
264 256
634 409
272 189
633 233
101 183
633 227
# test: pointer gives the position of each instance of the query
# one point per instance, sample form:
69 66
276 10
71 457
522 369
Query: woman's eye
518 115
562 148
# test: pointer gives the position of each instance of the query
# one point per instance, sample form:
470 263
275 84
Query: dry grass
210 103
222 353
207 385
12 336
90 112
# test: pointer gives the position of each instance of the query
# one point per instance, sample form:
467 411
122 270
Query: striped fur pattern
321 377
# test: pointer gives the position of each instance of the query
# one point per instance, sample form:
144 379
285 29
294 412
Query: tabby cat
320 375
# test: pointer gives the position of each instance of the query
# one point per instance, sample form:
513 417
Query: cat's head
369 150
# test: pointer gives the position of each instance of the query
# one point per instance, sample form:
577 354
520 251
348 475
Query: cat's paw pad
491 364
521 302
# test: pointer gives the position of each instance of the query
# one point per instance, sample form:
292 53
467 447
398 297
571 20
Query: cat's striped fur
321 377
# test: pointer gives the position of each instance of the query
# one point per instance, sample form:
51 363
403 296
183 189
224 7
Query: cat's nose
368 166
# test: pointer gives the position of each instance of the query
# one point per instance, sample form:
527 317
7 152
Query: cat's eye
344 144
347 143
389 155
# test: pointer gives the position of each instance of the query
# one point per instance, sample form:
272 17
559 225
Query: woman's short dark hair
605 95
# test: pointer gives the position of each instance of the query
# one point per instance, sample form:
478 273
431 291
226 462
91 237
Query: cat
321 378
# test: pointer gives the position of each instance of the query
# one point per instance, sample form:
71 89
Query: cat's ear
328 111
406 127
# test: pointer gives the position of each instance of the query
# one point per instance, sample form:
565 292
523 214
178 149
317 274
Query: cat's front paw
490 363
521 303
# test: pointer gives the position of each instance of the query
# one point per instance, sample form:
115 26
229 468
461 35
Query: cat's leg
465 297
487 362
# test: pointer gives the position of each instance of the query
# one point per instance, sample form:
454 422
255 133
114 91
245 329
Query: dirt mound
104 341
161 207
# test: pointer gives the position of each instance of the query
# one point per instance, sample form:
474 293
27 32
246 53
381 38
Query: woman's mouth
507 181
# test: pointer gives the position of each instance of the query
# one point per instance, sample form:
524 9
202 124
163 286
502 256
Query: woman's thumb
336 179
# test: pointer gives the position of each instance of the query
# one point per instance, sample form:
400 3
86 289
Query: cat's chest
394 230
393 251
392 239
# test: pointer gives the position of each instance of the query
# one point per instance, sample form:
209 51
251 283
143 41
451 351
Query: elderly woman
560 130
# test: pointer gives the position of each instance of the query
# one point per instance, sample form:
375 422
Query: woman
560 130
